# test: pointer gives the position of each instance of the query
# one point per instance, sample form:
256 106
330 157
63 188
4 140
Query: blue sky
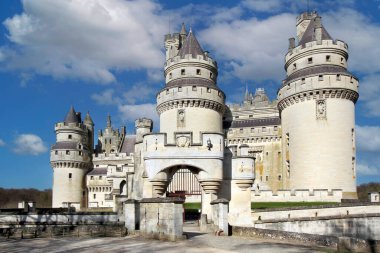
106 56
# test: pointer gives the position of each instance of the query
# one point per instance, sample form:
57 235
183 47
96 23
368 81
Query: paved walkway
197 243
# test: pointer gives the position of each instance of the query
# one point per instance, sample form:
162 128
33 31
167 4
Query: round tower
191 101
317 108
70 158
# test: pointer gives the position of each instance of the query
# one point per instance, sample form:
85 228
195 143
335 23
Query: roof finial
183 29
109 121
246 96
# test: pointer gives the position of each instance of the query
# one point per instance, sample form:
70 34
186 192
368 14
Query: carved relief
181 118
183 141
321 109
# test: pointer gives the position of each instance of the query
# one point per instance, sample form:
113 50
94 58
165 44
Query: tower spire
108 121
246 96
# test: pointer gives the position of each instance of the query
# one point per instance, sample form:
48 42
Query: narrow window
70 136
328 58
194 88
252 130
236 117
266 178
70 175
67 152
183 72
241 130
351 79
251 116
167 92
275 128
170 75
211 75
341 60
56 152
208 90
338 77
94 196
198 71
179 89
320 78
80 153
294 66
279 178
264 129
100 177
310 60
303 81
92 178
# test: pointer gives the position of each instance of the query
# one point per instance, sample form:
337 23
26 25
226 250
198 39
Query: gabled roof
309 34
71 116
191 46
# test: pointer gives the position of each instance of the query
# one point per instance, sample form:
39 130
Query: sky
107 56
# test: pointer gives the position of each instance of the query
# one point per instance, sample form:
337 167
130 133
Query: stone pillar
241 183
209 193
131 215
162 218
220 215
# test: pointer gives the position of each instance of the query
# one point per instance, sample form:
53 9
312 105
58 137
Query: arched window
123 188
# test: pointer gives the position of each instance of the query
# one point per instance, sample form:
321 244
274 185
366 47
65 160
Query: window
92 178
56 152
183 72
252 130
275 128
338 77
70 136
198 71
167 92
241 130
70 175
211 75
251 116
80 153
94 196
100 177
294 66
303 81
236 117
170 75
80 146
351 79
194 88
320 78
328 58
310 60
266 178
67 152
264 129
279 178
341 60
208 90
179 89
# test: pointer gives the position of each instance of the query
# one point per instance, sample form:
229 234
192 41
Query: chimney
292 43
318 29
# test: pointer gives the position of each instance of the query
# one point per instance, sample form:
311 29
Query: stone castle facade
300 146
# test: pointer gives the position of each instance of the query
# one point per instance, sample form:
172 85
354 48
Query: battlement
111 156
298 195
144 123
314 45
189 58
306 15
70 126
173 36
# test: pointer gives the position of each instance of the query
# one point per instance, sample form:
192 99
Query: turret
70 158
90 126
143 126
317 106
191 96
110 140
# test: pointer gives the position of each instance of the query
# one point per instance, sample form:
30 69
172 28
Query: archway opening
123 188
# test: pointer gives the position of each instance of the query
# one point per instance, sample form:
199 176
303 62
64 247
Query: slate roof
128 144
191 46
319 69
67 145
72 116
309 34
98 171
256 122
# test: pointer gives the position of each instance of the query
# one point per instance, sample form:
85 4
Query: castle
300 146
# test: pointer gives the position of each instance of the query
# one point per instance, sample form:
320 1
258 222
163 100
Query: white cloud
253 49
138 92
105 98
264 5
2 143
369 93
29 144
129 113
85 39
368 138
364 169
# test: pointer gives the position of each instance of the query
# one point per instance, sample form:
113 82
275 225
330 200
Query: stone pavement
197 243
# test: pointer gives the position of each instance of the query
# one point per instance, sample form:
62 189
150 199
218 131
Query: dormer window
183 72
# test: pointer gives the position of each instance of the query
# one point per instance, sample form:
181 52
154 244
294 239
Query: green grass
192 205
267 205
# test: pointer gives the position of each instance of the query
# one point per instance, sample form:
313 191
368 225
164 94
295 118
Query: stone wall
316 195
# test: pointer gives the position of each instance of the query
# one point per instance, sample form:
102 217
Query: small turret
143 126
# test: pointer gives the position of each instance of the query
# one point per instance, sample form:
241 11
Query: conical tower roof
88 119
309 34
191 46
183 29
71 116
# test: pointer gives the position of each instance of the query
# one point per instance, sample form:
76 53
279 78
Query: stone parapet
316 195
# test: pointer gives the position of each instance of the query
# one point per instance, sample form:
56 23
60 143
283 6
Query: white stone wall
322 195
321 151
99 191
66 189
